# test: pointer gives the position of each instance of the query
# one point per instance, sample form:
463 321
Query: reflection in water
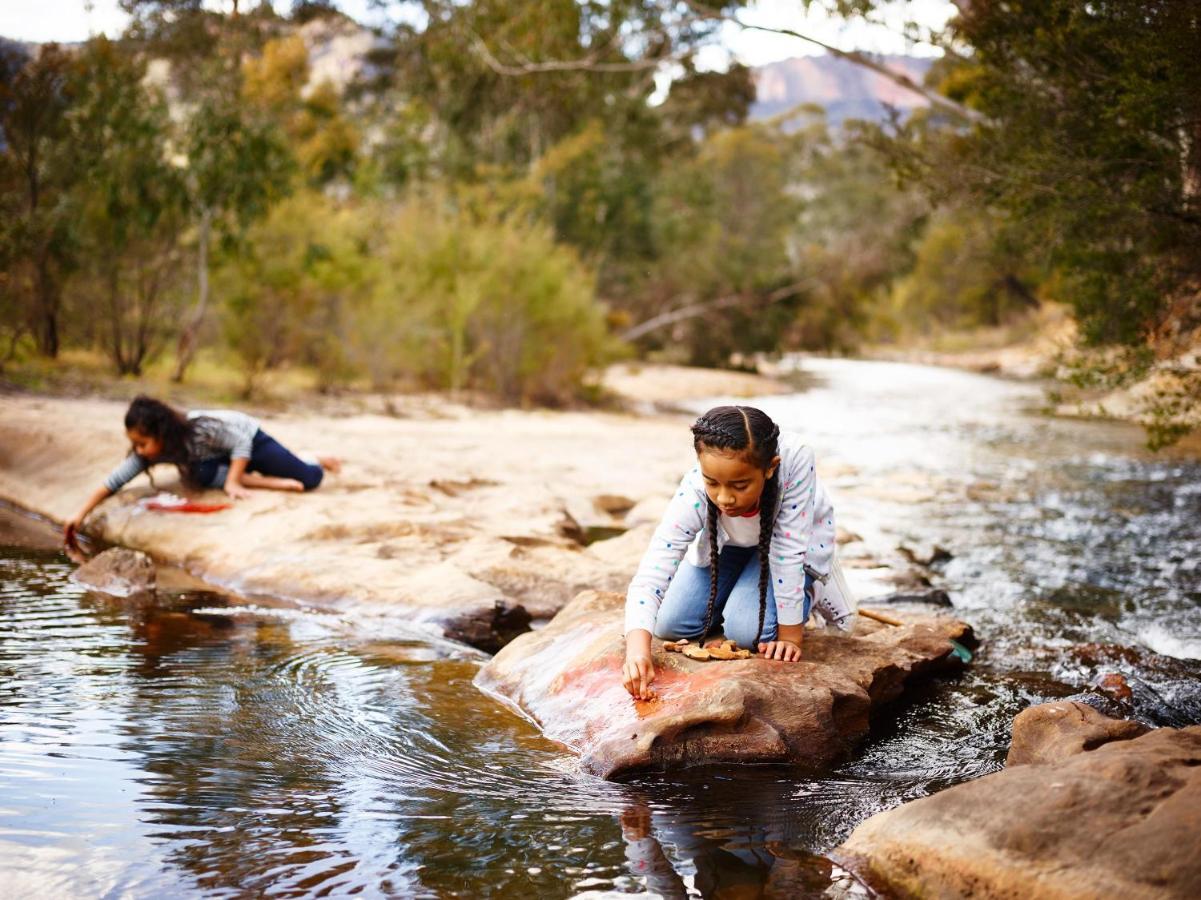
182 747
674 852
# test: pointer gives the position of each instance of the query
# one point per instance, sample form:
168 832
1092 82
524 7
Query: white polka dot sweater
803 536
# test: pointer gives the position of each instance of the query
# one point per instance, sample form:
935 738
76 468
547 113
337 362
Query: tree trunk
115 323
190 336
46 324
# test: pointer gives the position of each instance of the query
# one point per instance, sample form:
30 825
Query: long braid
713 554
767 524
750 430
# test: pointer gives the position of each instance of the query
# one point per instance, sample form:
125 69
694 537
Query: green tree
132 202
560 93
236 159
237 165
965 274
276 85
287 289
1088 140
478 301
36 176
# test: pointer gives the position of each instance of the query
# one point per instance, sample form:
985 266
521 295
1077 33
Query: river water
195 747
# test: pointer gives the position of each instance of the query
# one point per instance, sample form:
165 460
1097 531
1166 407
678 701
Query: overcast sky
75 20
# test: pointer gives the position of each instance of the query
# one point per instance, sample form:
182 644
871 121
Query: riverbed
200 745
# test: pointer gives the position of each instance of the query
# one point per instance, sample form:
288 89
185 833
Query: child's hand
785 650
638 673
71 541
235 490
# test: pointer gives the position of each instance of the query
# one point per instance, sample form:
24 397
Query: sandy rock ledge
567 678
450 522
1086 809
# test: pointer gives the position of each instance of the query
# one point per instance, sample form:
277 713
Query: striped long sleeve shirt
216 433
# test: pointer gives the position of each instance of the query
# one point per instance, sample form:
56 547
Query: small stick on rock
879 617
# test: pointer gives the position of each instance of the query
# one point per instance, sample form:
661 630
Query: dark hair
168 425
749 431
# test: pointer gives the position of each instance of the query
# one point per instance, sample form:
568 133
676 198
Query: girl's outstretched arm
72 525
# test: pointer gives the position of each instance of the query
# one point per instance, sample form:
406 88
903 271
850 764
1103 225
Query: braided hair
750 431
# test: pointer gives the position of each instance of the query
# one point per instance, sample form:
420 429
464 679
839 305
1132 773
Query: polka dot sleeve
793 534
680 526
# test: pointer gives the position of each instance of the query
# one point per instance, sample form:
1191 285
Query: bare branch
591 63
692 310
584 64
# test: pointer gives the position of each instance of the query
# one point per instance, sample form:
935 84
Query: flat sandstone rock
1121 820
446 521
567 677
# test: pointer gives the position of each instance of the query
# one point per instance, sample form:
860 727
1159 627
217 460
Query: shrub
464 301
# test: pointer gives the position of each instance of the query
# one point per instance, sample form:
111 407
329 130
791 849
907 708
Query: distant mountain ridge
339 49
843 89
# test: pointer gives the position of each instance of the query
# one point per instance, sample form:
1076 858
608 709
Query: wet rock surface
1089 807
490 633
1052 732
119 572
567 677
432 517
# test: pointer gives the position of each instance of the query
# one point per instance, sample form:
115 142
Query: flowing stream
194 747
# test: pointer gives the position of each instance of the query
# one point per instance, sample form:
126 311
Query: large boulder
567 677
118 571
1051 732
1121 820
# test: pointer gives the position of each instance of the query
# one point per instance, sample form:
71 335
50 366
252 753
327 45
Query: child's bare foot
330 463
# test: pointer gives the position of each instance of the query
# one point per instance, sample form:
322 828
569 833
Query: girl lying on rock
211 448
748 533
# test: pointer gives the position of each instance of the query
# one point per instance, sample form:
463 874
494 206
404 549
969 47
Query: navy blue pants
267 457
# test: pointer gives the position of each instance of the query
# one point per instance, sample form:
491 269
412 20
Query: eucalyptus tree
131 203
235 161
36 177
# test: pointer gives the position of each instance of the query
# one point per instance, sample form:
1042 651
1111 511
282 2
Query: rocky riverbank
1087 807
474 522
464 521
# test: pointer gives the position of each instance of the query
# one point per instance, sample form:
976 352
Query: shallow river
191 748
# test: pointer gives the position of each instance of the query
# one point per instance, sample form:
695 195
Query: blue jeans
736 609
267 457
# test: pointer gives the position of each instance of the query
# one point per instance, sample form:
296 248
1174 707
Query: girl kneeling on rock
758 531
211 448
